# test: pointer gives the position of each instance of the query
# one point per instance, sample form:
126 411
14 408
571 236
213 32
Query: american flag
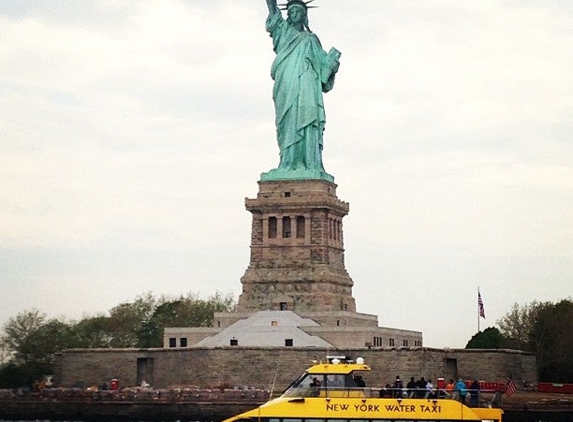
480 306
510 388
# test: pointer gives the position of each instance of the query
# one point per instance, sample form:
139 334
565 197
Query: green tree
490 338
5 355
126 320
30 340
185 311
517 325
552 336
40 345
95 332
544 329
17 330
13 375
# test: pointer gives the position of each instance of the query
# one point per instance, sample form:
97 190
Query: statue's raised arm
272 4
302 71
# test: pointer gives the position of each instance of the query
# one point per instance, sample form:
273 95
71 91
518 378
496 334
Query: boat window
306 385
313 385
340 380
334 381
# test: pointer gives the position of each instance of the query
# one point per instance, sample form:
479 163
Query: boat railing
342 392
484 398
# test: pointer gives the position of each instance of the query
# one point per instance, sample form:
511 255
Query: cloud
132 132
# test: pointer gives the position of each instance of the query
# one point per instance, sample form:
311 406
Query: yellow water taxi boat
333 392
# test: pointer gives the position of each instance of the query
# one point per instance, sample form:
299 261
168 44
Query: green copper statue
302 71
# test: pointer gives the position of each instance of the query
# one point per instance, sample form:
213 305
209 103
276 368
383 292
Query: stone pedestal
297 249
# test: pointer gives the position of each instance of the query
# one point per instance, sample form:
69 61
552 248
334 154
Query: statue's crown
302 3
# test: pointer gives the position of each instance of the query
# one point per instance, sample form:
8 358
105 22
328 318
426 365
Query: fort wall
268 367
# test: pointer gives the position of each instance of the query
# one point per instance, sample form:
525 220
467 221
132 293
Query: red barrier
548 387
487 386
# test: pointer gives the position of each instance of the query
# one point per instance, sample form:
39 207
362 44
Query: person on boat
386 391
430 392
398 386
461 391
315 386
421 387
496 401
450 389
474 394
359 381
334 381
411 386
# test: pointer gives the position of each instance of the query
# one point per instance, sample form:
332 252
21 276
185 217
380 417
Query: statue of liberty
301 71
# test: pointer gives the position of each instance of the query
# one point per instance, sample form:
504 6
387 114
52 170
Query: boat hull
305 409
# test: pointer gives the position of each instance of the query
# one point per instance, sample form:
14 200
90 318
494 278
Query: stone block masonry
263 367
297 249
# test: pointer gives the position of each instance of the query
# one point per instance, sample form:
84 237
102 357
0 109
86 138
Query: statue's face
296 14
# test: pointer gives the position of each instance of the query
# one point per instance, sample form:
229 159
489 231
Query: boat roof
337 367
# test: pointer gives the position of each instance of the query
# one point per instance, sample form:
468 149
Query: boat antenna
274 379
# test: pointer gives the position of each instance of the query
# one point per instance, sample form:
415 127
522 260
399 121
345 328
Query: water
529 417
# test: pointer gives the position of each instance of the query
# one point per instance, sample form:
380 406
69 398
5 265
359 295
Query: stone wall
342 319
297 249
351 337
341 329
265 367
192 335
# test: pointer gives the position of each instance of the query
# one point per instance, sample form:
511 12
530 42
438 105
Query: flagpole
481 312
478 310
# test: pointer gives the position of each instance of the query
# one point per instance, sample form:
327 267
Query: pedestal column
297 249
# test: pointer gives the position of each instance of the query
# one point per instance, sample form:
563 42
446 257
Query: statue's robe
302 71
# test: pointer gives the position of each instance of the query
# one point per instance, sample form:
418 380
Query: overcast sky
131 132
